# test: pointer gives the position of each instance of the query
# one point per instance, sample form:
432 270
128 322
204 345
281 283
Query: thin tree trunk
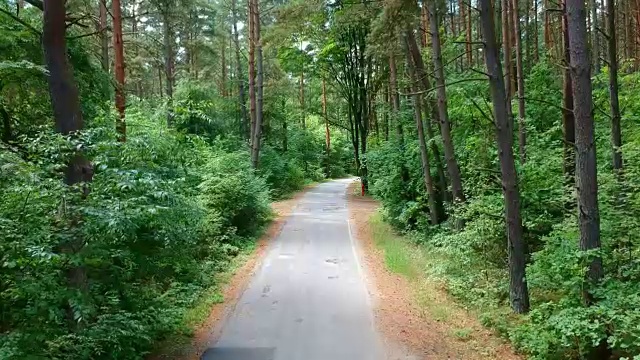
616 133
431 106
7 130
168 60
522 126
257 136
118 50
241 91
445 126
595 43
518 291
628 26
223 68
424 154
536 40
527 37
385 115
586 169
506 52
547 26
469 46
395 97
637 32
104 37
568 121
424 26
302 105
252 72
327 133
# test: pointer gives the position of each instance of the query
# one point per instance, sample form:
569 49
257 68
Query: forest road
309 298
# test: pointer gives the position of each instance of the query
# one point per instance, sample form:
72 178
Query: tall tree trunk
244 122
637 32
424 154
547 27
568 120
522 126
506 52
616 133
385 115
168 59
223 68
586 169
518 291
431 107
327 132
628 26
68 120
536 40
595 43
104 37
395 97
424 26
469 29
445 126
257 135
252 71
302 105
118 51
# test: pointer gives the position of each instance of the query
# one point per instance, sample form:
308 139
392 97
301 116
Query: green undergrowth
431 286
197 314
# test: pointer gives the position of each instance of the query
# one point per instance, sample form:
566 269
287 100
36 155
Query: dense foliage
471 262
109 233
105 269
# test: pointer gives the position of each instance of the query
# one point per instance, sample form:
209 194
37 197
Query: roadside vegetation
142 142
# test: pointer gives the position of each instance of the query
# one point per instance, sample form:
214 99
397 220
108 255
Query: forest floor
415 315
207 318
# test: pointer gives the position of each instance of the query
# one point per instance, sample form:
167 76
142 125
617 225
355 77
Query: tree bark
469 46
424 154
431 107
586 169
568 120
257 135
395 97
118 51
302 105
244 122
522 126
536 40
252 72
68 120
445 126
518 290
7 131
616 132
506 52
595 39
223 68
327 132
104 38
168 59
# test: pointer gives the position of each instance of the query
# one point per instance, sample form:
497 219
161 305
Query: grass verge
461 323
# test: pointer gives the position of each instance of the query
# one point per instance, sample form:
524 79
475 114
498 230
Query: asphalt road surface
308 300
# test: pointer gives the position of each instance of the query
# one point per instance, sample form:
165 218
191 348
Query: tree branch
24 23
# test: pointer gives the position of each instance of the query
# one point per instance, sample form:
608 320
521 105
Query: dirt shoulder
415 316
206 332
